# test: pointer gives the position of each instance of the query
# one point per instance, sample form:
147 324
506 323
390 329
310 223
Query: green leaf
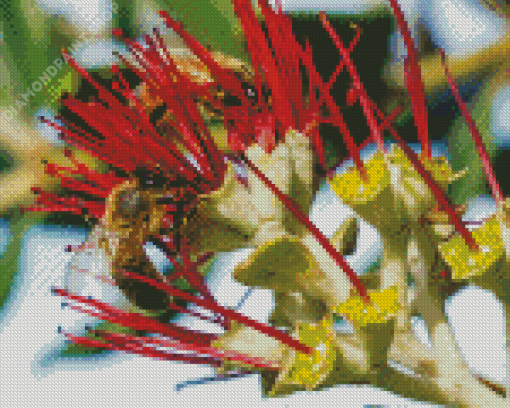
24 41
463 151
6 161
32 41
377 12
123 16
9 259
68 82
212 22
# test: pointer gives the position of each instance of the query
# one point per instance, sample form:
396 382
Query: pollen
465 263
351 187
383 306
305 370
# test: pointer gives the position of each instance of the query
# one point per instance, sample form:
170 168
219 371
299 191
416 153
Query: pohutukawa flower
170 181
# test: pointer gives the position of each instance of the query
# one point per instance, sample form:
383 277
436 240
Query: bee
137 210
196 71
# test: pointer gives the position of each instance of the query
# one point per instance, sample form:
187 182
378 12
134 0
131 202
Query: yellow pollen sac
439 167
466 263
383 306
308 370
352 189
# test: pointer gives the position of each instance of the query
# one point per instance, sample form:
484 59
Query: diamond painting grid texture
177 200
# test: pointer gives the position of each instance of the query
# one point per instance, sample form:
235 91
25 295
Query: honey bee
148 204
136 211
196 71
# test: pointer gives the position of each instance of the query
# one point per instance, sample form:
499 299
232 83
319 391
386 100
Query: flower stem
438 193
293 207
434 187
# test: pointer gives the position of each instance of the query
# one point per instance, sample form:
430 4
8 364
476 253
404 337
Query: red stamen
185 169
176 275
216 308
192 274
426 175
353 149
341 64
226 78
391 117
336 116
127 120
137 321
370 107
52 202
76 185
56 208
318 145
260 55
332 170
307 58
359 89
124 339
200 316
414 82
85 141
203 89
175 94
286 51
106 181
143 350
146 59
117 132
437 191
213 160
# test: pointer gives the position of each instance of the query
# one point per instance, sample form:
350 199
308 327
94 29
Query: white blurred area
500 124
331 6
88 15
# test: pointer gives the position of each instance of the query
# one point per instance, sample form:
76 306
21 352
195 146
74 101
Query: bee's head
149 204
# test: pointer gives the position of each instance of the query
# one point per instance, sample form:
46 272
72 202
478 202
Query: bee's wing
89 273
